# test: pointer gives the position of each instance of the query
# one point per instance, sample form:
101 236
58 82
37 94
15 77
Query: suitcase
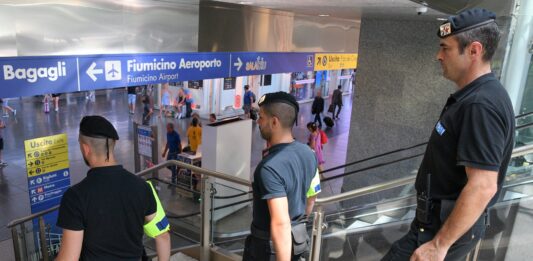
329 122
253 114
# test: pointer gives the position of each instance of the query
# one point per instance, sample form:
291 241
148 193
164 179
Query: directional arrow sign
238 64
92 71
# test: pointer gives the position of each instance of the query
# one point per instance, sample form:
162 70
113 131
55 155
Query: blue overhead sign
26 76
270 63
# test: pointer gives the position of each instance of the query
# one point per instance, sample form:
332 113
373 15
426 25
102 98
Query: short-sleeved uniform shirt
194 134
475 129
174 142
109 205
287 171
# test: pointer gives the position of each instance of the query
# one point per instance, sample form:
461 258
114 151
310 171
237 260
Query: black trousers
256 249
338 107
419 234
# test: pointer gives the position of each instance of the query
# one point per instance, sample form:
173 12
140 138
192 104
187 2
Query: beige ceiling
347 9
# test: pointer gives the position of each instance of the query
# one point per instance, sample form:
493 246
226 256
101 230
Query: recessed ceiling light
442 19
323 15
245 3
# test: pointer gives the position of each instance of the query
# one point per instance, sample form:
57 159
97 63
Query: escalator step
409 215
358 224
510 195
384 219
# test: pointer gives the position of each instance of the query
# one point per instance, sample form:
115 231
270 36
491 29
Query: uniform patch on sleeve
439 128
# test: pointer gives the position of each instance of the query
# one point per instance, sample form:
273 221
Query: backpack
323 137
253 97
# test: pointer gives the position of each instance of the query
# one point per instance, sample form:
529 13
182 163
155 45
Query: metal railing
318 220
19 243
206 207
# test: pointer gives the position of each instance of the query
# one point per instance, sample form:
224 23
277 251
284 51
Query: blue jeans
173 169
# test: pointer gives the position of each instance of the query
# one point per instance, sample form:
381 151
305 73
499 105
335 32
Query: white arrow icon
92 71
238 64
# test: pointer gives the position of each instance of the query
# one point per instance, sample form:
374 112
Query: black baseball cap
466 20
98 127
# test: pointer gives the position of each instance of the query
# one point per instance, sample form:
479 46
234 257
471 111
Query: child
46 102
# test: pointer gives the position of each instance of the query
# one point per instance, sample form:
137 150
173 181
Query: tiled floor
31 122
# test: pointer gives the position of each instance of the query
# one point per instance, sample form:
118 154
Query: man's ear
85 149
275 121
476 50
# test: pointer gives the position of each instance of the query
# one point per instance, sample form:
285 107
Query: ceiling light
442 19
245 3
323 15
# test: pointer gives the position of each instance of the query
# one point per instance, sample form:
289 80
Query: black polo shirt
475 129
287 171
109 205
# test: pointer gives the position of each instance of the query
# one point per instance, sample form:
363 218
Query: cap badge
262 99
445 29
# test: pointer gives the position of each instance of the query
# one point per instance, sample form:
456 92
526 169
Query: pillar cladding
400 91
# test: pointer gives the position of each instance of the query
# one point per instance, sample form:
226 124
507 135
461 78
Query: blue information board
99 72
47 169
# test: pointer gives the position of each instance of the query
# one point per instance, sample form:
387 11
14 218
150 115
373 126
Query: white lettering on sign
200 64
155 65
33 74
142 78
258 65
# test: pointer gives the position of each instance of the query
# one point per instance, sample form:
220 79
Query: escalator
366 231
351 231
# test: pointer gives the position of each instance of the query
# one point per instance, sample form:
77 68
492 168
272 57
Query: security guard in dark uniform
469 148
285 183
104 216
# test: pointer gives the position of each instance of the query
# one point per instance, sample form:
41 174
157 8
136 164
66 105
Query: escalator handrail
144 173
374 157
395 183
365 191
412 147
523 115
244 193
521 151
371 167
524 126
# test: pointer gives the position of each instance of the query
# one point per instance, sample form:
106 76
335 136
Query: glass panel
525 136
232 216
527 98
400 165
367 232
182 206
